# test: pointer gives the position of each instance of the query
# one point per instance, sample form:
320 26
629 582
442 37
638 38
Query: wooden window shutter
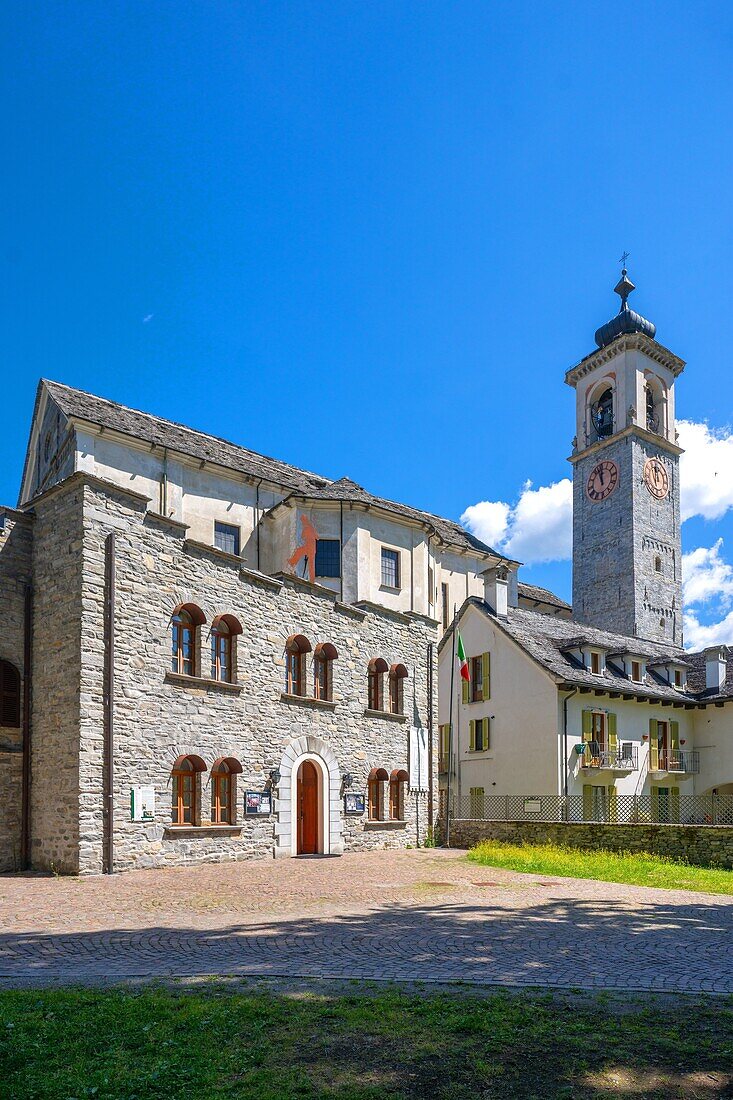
654 792
612 804
612 734
674 736
487 735
9 695
472 735
653 748
587 725
587 802
486 672
465 685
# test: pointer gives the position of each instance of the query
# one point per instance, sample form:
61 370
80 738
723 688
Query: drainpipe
430 738
565 739
25 797
257 522
341 548
109 690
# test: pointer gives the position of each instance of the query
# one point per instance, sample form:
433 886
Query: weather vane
624 258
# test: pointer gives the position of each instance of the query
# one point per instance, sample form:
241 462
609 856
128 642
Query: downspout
430 739
257 522
565 740
109 691
341 549
25 797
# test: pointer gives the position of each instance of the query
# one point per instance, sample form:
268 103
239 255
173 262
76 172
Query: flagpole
450 735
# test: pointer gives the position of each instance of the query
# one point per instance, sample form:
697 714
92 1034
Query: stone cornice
634 342
633 429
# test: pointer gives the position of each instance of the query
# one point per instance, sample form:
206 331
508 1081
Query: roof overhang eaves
635 341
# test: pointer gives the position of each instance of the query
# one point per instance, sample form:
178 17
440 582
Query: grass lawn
639 868
156 1044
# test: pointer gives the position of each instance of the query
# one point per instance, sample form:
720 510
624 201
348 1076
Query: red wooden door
307 808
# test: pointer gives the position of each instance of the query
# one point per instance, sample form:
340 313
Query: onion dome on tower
626 320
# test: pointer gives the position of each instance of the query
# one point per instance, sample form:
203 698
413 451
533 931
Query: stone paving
404 916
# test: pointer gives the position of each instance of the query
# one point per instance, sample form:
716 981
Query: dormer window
596 664
636 671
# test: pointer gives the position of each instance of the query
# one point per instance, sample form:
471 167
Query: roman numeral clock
626 522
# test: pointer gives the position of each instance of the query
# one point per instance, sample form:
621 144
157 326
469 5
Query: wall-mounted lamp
274 777
347 780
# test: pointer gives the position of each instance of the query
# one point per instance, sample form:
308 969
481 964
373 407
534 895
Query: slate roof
547 637
696 677
209 448
541 595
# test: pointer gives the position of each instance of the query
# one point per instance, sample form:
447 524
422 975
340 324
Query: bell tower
627 557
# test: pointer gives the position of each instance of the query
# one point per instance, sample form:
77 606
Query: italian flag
462 659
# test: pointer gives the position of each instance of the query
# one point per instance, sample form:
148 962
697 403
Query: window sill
388 824
395 589
307 701
385 714
201 830
201 681
479 752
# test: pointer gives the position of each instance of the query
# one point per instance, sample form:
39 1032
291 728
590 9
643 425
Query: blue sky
370 238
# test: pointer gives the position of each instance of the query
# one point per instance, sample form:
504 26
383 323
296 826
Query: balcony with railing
623 759
677 761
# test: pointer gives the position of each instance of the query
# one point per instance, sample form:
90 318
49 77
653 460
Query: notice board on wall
418 759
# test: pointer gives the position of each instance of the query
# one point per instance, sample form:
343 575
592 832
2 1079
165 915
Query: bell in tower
626 513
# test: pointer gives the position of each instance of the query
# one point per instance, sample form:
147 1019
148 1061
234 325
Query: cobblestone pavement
410 916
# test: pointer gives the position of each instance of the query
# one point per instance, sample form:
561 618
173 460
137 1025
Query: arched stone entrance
309 785
295 780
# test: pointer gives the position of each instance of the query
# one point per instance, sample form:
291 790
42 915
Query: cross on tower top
624 258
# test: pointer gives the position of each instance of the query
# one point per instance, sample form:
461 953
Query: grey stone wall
615 541
158 718
57 652
703 845
15 575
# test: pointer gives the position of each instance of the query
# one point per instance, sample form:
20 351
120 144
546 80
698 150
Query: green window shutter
487 734
654 748
674 804
472 735
612 804
587 725
486 670
654 792
587 802
612 735
674 734
464 691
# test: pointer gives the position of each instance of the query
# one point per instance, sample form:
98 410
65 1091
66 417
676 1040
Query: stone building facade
295 716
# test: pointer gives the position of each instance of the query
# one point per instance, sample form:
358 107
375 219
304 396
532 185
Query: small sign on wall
418 759
258 802
354 803
142 803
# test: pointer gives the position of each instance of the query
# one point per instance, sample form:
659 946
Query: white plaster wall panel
208 497
713 737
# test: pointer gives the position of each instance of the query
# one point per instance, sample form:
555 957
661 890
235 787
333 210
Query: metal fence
665 807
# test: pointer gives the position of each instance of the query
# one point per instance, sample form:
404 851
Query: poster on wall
354 803
258 802
142 803
418 759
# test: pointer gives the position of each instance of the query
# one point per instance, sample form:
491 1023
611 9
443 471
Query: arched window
376 670
397 676
601 412
186 620
323 658
223 790
185 774
397 781
375 788
296 648
224 630
9 695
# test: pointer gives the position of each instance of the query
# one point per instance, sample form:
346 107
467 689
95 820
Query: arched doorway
309 782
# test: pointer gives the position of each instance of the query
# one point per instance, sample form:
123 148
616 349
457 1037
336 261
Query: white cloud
700 635
537 528
706 576
706 470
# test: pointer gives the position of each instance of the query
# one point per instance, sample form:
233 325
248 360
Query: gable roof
547 639
541 595
209 448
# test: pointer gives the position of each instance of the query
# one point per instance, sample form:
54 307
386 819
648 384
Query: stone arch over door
316 749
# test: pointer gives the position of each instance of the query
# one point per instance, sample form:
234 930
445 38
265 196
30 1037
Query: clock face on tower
602 480
656 478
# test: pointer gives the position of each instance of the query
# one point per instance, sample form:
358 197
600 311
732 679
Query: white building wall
713 735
